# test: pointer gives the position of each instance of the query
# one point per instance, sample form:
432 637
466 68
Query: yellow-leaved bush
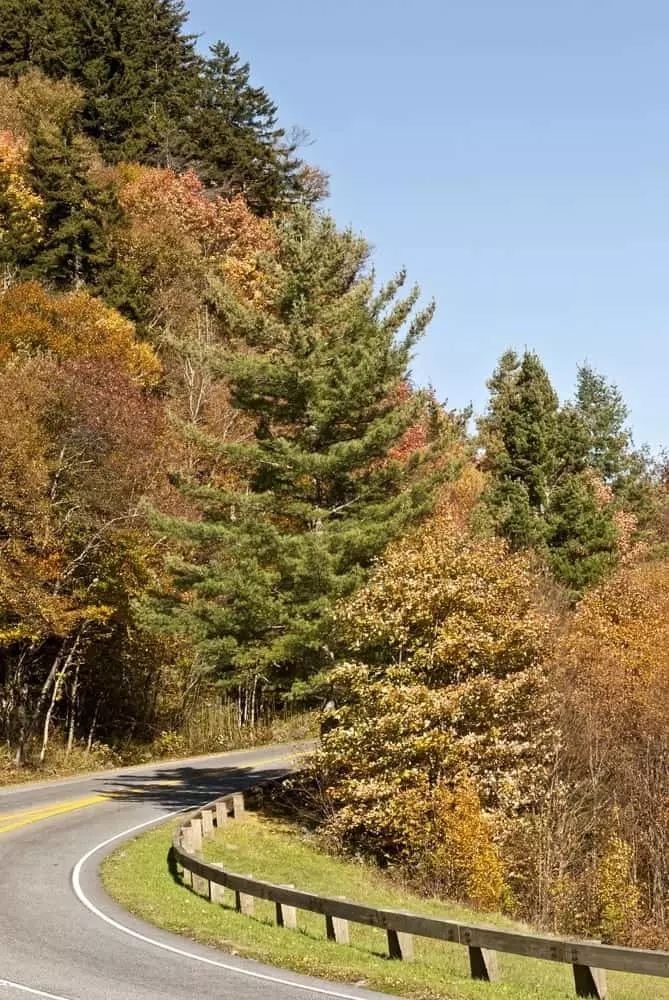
444 719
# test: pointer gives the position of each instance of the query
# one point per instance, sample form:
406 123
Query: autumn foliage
446 713
73 325
216 474
20 206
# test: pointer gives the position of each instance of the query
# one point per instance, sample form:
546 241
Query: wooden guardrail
588 959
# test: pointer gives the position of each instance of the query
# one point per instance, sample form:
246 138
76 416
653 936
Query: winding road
63 938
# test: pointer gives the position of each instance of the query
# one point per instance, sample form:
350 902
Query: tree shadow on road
183 786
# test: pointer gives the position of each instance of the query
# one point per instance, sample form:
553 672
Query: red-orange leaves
179 235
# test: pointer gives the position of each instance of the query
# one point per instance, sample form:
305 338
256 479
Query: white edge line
28 989
83 898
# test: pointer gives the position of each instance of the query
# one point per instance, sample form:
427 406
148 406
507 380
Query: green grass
137 876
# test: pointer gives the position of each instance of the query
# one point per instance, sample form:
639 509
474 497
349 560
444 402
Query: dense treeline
216 475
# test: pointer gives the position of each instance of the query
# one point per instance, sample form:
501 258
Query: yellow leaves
616 894
33 103
451 709
453 603
463 859
20 207
75 325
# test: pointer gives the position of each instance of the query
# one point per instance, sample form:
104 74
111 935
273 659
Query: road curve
63 938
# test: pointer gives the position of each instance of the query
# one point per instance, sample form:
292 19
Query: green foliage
234 141
563 480
522 426
77 207
134 64
581 534
150 97
316 495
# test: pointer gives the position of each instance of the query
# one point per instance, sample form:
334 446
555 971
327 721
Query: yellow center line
55 809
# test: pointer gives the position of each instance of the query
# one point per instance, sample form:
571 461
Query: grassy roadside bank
137 876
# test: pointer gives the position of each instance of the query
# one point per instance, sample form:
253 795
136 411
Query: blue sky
513 155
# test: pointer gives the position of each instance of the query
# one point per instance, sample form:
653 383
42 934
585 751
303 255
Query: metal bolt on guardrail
588 959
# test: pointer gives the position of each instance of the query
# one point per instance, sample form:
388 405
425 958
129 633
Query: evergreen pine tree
319 496
234 139
519 434
150 97
580 535
610 451
138 70
77 209
544 463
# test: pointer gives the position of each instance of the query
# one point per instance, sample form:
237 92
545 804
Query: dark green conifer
580 535
321 374
544 462
519 434
149 96
78 210
234 141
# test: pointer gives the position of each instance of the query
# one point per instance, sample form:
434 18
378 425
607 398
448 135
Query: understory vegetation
225 504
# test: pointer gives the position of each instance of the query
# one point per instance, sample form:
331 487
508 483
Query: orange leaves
618 646
179 235
162 200
614 670
75 325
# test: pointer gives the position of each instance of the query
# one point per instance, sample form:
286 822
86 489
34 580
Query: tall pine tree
519 434
234 141
321 373
603 414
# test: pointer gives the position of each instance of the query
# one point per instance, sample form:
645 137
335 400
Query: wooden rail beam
588 959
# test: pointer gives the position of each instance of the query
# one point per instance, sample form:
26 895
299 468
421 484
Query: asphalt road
63 938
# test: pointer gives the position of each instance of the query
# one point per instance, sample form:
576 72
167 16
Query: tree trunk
49 683
55 694
91 731
73 709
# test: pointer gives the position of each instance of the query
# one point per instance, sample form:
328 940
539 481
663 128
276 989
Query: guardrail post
286 916
244 902
201 886
216 891
483 964
238 805
400 945
207 823
336 929
589 982
221 812
187 844
196 835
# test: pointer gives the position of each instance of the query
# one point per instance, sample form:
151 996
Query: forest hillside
221 487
